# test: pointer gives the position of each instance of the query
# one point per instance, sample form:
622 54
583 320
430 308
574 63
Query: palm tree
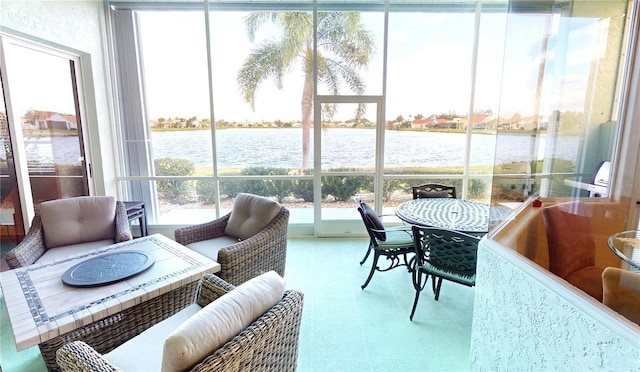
344 48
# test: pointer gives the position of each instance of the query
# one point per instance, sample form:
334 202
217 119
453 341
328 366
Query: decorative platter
107 269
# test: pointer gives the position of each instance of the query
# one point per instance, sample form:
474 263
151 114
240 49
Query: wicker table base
108 333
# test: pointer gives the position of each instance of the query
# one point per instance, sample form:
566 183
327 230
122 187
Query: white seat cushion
143 352
210 247
250 214
220 321
78 220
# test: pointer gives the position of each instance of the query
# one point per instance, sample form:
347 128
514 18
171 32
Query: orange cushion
622 292
588 279
569 238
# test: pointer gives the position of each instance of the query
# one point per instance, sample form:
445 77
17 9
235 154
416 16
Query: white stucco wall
526 319
76 27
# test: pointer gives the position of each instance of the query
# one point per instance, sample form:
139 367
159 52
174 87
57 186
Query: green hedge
342 187
174 191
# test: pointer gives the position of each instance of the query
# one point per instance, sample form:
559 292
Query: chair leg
416 278
366 255
374 265
438 288
410 263
415 303
433 283
418 284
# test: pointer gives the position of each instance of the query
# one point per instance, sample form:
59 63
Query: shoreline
458 131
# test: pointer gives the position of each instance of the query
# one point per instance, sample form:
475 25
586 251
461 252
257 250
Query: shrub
174 191
476 188
345 187
304 188
206 191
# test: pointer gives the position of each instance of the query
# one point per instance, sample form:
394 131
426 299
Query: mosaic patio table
43 310
446 213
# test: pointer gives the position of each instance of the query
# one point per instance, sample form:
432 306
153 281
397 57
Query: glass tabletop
626 245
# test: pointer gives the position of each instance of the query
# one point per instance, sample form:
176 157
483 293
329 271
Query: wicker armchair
242 258
78 223
270 343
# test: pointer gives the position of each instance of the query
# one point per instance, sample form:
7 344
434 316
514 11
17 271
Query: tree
344 48
191 122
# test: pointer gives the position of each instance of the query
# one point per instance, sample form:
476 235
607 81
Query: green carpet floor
345 328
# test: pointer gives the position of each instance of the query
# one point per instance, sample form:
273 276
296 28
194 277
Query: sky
429 66
27 69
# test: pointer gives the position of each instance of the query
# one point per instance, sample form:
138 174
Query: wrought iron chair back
395 244
443 254
433 190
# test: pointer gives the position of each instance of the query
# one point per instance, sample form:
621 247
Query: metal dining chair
433 190
395 244
443 255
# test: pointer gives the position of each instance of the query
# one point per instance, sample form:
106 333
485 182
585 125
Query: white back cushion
250 214
220 321
78 220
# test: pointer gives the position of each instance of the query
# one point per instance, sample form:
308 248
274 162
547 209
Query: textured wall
524 320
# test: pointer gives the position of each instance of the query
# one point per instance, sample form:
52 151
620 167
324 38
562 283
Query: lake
347 147
342 147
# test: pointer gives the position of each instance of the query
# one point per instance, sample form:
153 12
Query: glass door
346 161
12 230
43 123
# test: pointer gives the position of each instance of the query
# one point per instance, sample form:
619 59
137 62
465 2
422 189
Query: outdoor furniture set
433 243
70 238
441 236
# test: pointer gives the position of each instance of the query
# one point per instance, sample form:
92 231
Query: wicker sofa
269 343
65 227
248 241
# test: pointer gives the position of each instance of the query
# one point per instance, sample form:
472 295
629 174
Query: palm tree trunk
307 106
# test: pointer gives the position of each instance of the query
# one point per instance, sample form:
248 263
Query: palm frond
254 20
344 48
297 30
340 71
263 63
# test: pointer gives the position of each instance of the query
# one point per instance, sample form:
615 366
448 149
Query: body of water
241 148
346 147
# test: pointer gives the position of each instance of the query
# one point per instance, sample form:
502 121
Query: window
560 92
225 101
